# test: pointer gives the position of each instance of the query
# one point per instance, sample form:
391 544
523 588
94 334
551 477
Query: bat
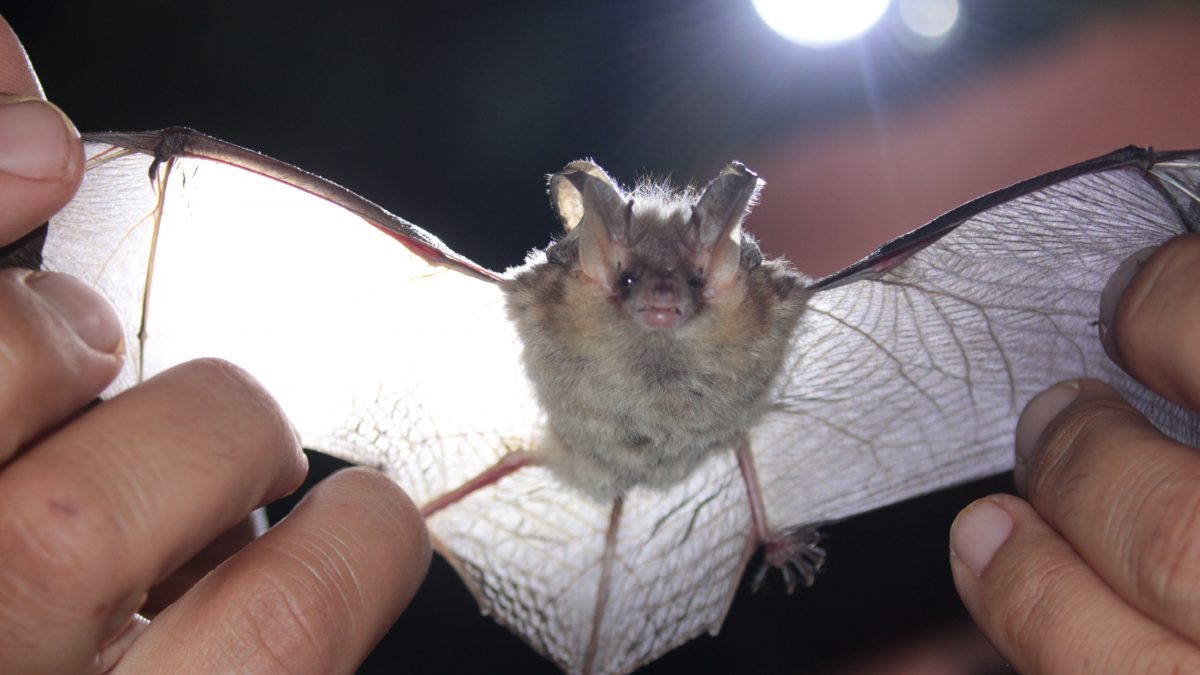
602 437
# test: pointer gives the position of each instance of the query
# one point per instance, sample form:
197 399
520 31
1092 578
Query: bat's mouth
660 317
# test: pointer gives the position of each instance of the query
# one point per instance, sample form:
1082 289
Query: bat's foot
796 553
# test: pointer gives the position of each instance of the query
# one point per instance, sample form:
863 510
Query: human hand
99 506
1102 573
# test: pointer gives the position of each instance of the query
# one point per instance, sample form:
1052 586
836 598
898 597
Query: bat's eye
696 283
627 280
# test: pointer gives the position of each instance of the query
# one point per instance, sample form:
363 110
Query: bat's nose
664 291
661 302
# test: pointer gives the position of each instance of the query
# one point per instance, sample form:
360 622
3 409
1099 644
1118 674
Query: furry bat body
602 438
653 330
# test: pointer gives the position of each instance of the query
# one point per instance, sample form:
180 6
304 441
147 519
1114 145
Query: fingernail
1037 414
32 142
90 315
1110 297
978 532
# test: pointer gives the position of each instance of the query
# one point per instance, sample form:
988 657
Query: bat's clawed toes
796 553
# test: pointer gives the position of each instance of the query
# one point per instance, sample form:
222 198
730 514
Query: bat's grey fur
631 406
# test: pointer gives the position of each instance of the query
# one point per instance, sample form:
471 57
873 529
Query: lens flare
929 19
820 23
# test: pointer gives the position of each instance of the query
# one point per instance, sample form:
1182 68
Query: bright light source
819 23
929 19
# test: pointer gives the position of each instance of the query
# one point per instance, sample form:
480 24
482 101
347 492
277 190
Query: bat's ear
567 186
594 213
715 231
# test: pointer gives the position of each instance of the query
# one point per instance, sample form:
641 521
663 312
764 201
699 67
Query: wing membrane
929 351
365 344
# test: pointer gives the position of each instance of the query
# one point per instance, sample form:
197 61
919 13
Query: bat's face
659 297
659 253
659 280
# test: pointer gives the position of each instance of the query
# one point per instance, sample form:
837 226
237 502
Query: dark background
451 115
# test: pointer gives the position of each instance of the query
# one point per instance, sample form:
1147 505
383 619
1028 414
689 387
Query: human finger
1120 492
41 156
60 345
1043 607
217 551
1150 314
16 72
102 509
313 595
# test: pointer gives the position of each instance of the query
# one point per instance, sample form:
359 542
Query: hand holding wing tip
796 553
1108 528
99 501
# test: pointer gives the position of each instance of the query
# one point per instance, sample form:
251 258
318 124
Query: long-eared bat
602 437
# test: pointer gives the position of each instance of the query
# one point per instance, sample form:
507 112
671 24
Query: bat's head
661 255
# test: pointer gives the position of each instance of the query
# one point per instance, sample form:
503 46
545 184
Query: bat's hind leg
795 551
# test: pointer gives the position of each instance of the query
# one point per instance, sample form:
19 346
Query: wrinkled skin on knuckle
1067 446
61 551
1167 566
1148 513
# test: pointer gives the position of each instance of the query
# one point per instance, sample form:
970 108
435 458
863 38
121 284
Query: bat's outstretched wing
912 366
389 350
351 317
